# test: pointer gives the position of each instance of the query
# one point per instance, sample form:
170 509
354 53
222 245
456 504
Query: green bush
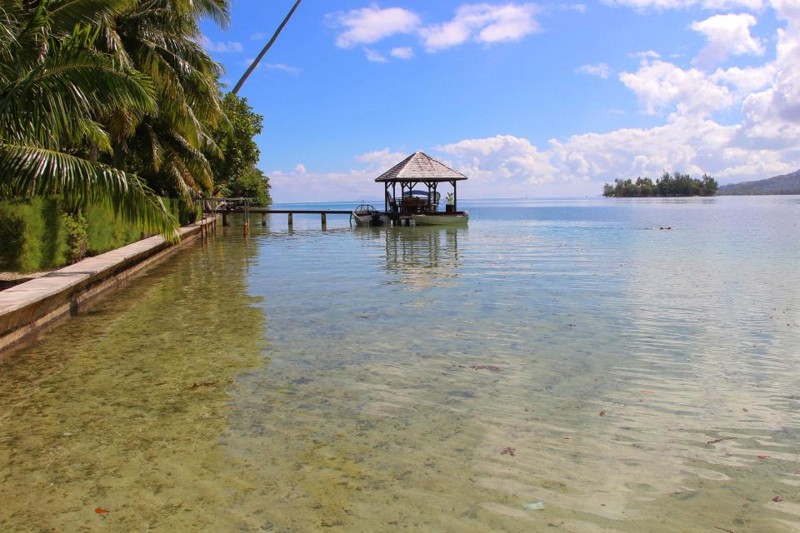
105 231
33 235
38 235
77 236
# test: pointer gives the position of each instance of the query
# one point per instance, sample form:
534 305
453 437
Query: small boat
367 215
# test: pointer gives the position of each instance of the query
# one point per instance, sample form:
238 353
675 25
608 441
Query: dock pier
229 206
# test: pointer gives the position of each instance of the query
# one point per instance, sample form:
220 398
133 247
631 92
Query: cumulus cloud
660 85
221 47
403 52
582 163
381 159
374 56
727 35
483 23
724 5
601 70
369 25
503 158
270 66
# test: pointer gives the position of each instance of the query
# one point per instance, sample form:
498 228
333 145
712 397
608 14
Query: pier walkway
228 206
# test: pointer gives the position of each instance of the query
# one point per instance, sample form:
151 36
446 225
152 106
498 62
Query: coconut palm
54 84
161 39
264 50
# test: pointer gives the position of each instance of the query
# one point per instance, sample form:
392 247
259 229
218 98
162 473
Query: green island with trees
676 184
113 121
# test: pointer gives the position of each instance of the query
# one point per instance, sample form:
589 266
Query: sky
528 99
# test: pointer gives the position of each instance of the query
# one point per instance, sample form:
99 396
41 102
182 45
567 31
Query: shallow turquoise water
573 352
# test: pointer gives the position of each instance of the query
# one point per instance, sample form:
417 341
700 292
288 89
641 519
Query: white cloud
660 85
600 70
403 52
753 5
369 25
270 66
582 163
727 35
381 160
503 160
374 56
483 23
310 186
221 47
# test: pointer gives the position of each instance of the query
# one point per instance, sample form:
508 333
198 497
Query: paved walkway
28 307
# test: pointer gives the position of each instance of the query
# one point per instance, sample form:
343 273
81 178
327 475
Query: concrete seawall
27 309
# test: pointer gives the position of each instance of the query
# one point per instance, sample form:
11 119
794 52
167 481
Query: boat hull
369 219
445 219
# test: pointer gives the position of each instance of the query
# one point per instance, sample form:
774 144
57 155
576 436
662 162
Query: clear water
630 378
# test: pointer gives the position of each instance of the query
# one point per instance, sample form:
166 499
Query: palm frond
27 170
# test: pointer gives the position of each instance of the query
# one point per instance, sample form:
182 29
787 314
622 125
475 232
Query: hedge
37 235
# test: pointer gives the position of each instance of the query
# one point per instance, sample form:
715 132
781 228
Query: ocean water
590 365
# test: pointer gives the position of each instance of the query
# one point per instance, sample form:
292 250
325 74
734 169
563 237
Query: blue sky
535 99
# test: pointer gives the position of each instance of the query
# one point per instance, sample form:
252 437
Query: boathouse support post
224 219
246 218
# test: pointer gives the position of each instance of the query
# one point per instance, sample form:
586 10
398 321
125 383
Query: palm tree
54 84
264 50
160 38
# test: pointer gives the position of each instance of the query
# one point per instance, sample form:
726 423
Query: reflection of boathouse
424 256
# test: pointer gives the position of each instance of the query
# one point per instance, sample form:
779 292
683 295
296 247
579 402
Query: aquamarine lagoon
577 365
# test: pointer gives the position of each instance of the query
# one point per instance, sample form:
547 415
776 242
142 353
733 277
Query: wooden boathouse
420 205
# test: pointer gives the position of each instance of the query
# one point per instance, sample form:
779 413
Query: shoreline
28 308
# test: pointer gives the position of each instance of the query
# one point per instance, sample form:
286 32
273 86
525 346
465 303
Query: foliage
236 175
33 235
235 140
54 85
675 185
252 184
76 236
161 39
105 231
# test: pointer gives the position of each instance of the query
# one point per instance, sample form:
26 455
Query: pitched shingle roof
420 167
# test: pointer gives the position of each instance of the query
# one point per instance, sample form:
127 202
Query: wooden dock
264 211
229 206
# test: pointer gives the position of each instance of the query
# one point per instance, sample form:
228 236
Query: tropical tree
676 184
235 141
54 85
253 184
161 39
264 50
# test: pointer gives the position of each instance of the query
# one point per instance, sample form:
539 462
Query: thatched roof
420 167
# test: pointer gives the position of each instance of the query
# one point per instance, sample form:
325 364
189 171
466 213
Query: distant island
786 184
676 184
